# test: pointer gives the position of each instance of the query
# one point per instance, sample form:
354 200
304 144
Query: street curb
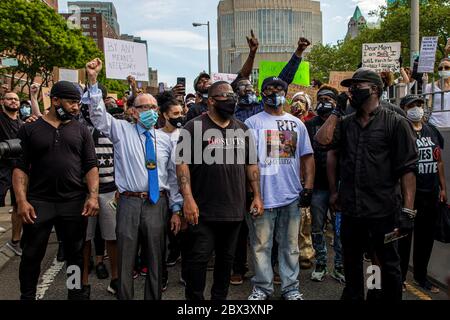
5 255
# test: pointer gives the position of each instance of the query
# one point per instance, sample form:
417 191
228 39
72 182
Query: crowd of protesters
203 177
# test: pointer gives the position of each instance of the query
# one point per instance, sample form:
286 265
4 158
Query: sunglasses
225 95
444 68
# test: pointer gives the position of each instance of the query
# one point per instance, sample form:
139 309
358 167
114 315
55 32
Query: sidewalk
5 222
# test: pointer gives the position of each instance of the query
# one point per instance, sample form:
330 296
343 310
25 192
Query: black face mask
226 108
62 114
359 97
324 109
248 99
178 122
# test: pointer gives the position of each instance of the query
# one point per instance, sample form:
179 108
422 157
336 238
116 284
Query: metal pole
415 24
209 50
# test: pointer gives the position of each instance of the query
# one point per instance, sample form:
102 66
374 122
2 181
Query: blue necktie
150 162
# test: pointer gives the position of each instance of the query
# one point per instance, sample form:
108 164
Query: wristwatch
179 213
409 212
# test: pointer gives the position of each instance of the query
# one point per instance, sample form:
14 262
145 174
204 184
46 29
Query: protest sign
269 69
224 77
124 58
382 56
428 54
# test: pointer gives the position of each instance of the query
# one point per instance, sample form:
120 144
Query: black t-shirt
8 131
320 154
218 189
430 143
56 160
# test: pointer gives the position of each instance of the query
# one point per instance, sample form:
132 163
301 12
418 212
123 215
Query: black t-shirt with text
430 143
217 166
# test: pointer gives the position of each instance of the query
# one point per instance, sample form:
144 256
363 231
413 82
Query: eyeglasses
225 95
444 68
147 107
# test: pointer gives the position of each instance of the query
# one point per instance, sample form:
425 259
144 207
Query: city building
153 78
107 9
356 24
94 25
278 24
128 37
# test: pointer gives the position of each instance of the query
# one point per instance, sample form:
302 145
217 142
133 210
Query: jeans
200 242
319 210
285 223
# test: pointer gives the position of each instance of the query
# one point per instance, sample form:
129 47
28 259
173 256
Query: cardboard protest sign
224 77
382 56
124 58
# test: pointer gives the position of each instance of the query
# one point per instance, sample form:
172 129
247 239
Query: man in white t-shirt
283 143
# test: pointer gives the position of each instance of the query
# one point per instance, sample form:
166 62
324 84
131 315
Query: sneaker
165 284
113 286
144 271
2 230
101 271
276 278
173 259
427 285
14 248
80 294
60 255
338 274
236 279
183 282
257 294
294 295
319 273
135 274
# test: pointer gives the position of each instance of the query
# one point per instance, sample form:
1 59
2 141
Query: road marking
417 292
47 279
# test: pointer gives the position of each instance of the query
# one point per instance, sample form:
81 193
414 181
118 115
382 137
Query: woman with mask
440 119
301 106
25 110
172 112
430 190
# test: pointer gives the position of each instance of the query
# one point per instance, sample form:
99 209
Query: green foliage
394 27
41 40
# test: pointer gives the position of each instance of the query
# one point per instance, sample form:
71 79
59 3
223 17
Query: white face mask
444 74
415 114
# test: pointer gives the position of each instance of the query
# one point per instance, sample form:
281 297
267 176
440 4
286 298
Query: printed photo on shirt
281 144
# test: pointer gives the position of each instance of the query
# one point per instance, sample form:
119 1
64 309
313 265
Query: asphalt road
52 284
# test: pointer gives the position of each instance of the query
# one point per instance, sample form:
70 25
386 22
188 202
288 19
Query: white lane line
47 279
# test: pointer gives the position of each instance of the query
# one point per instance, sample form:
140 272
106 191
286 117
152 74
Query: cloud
325 5
338 19
176 39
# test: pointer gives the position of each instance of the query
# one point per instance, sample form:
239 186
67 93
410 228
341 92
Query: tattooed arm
20 185
91 205
190 208
254 179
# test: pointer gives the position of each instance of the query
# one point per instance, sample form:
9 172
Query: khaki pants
304 237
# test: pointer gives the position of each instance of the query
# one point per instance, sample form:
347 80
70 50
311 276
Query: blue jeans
284 222
319 210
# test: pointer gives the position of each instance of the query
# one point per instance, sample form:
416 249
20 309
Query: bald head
145 99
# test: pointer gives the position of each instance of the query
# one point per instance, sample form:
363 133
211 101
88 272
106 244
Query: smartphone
181 81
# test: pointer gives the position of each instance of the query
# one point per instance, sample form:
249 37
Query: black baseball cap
363 75
66 90
200 76
274 81
410 99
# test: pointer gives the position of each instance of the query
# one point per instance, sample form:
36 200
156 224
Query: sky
177 49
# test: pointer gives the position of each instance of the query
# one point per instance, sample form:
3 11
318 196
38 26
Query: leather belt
141 195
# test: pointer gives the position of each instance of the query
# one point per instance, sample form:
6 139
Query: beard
11 109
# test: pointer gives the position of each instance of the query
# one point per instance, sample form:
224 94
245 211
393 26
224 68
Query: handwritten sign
124 58
224 77
382 56
428 54
295 88
269 69
68 75
336 78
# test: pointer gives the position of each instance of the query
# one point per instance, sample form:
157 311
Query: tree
394 27
40 39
